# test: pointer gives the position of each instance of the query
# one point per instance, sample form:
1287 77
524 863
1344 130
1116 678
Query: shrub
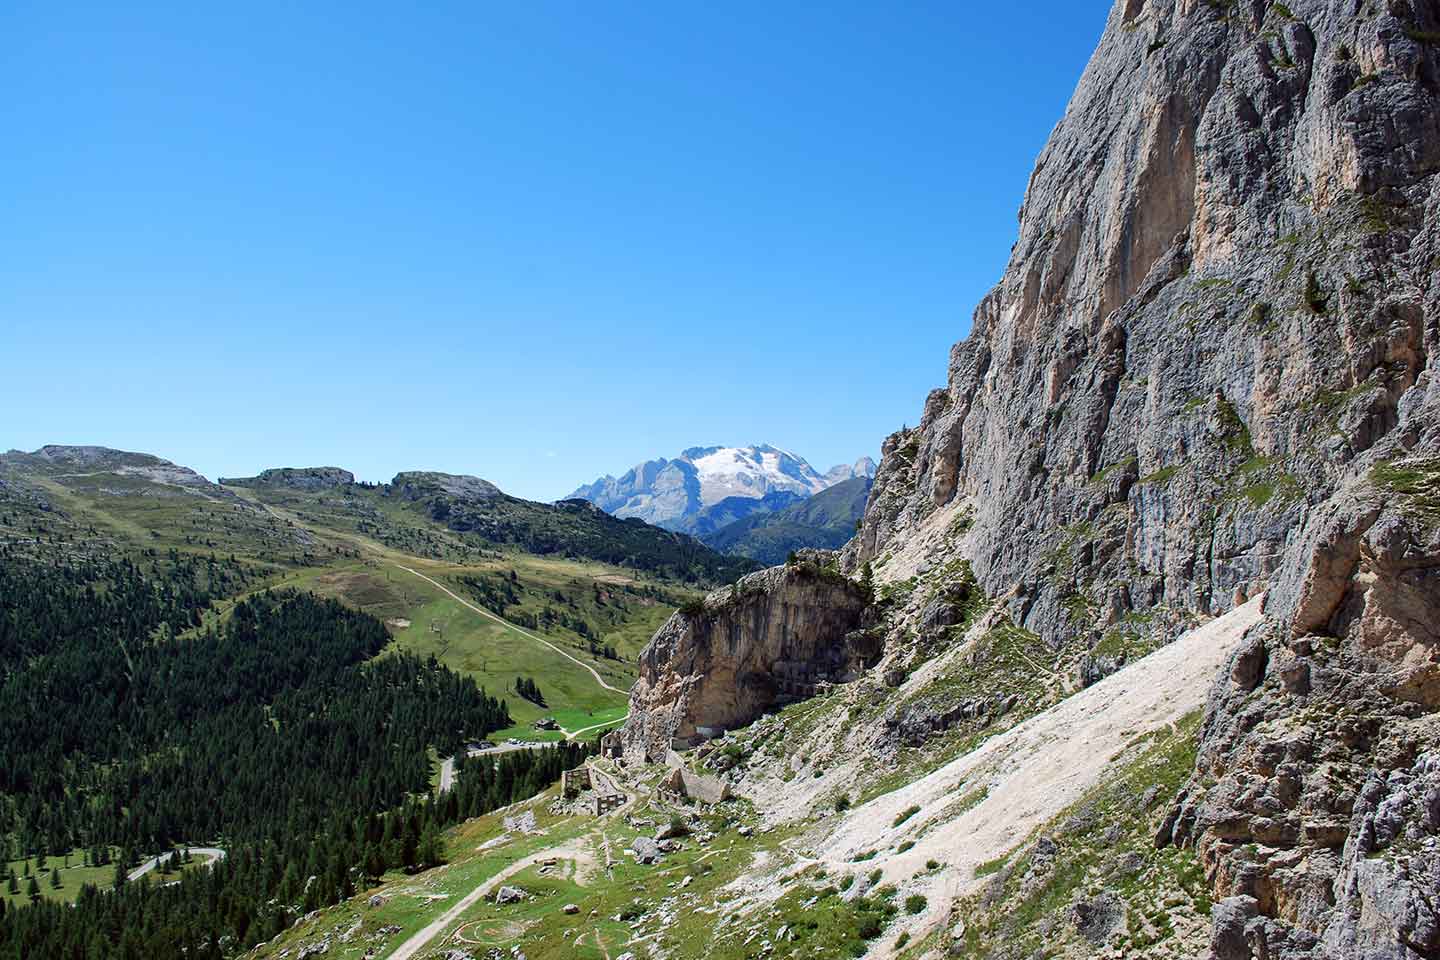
932 864
905 814
842 803
903 939
915 903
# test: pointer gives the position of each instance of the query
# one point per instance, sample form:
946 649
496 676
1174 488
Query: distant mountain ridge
825 521
673 493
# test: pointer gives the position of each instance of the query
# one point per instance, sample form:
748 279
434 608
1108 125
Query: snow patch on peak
667 492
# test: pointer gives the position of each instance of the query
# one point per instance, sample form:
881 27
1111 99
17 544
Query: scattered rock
646 850
509 894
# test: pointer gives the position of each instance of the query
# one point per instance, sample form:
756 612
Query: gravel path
573 850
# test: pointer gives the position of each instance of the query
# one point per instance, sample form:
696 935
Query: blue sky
533 241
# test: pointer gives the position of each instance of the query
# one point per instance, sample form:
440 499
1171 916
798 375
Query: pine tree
55 878
14 885
32 890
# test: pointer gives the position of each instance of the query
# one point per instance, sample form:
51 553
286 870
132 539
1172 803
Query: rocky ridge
298 478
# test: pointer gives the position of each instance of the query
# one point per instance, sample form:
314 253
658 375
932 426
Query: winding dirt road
417 942
506 623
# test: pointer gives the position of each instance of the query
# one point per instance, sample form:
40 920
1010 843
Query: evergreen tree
32 890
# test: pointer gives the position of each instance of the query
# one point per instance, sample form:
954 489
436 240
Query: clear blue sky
534 241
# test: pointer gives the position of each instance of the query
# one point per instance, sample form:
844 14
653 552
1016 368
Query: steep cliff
1209 371
1221 297
771 638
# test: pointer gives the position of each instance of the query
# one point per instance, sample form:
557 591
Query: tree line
135 722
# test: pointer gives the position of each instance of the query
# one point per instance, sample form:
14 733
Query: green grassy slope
349 541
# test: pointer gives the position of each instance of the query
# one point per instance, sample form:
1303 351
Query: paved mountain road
215 853
447 766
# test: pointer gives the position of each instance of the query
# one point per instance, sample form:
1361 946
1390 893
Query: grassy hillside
317 531
463 518
825 520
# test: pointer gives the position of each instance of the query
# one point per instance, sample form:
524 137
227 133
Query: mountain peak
668 492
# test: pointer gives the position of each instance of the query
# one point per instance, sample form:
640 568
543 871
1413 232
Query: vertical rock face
772 637
1210 369
1221 300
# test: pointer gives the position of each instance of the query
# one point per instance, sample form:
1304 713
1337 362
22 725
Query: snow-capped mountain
669 492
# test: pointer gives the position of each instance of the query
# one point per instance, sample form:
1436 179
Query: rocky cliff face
1315 804
770 638
1209 370
1220 300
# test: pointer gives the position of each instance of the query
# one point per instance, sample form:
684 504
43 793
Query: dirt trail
573 850
506 623
1032 772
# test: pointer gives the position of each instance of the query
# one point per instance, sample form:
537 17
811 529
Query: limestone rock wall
1208 370
772 636
1222 295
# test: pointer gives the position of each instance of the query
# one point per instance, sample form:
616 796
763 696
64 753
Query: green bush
915 903
905 814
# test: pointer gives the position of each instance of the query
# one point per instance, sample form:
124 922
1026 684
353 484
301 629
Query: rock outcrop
1317 790
773 636
296 478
